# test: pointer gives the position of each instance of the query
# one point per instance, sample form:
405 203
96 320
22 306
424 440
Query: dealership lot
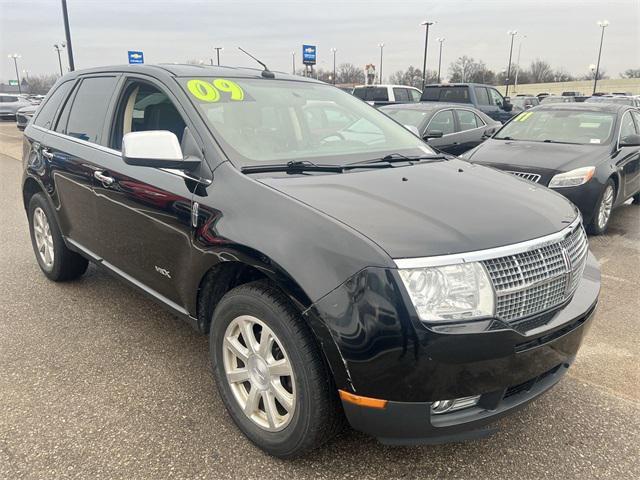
96 380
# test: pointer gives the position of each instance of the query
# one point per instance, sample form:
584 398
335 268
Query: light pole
513 33
381 45
57 48
334 50
217 49
515 84
15 57
293 63
67 33
426 24
441 41
602 24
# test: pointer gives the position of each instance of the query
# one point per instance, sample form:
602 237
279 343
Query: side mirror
507 106
630 141
157 149
433 134
413 129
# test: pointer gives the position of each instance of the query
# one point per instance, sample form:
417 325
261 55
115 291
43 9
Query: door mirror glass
155 148
507 106
433 134
630 141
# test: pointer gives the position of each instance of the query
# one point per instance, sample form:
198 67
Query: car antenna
266 73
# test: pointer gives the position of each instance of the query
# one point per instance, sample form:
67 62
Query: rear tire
56 261
603 210
309 414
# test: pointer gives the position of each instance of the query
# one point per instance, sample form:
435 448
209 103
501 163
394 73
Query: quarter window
89 109
442 121
48 110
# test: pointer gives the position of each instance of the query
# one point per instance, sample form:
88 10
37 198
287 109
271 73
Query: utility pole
67 33
217 49
441 41
15 57
334 64
59 47
515 84
293 63
427 24
381 45
602 24
513 33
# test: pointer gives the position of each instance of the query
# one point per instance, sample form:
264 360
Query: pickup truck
379 95
483 97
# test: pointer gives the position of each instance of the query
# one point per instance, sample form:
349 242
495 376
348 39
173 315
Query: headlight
573 178
452 292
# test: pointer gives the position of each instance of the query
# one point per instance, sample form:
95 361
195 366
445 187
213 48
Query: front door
628 160
144 212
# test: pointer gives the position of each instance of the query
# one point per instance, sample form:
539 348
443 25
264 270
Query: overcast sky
563 32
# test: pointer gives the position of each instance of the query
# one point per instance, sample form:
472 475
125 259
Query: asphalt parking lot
96 381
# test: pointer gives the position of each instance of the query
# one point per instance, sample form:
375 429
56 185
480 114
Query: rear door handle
106 180
46 153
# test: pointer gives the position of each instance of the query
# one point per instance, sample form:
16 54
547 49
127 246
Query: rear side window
89 109
482 97
467 120
372 94
401 94
48 110
414 95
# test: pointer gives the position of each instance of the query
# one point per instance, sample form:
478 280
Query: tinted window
442 121
48 110
482 97
455 94
628 127
144 108
89 108
431 94
372 94
8 99
467 120
401 94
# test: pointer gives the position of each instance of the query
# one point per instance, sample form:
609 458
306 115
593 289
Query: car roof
187 70
384 85
591 107
427 106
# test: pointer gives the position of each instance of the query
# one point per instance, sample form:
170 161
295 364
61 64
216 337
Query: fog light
445 406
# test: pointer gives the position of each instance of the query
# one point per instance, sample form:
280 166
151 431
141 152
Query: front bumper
379 349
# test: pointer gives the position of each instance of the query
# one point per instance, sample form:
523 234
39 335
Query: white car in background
387 94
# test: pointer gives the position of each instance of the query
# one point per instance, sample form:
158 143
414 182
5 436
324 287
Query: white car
10 104
387 94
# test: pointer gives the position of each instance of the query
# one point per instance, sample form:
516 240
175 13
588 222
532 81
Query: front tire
604 207
56 261
270 372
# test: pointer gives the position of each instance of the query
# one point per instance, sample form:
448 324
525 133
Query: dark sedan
452 128
589 152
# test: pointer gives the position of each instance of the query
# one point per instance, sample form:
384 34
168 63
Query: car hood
433 208
537 155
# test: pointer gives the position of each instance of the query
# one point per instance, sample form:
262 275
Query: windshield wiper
398 157
301 166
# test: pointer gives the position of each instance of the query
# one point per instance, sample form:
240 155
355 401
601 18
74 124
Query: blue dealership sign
136 57
309 54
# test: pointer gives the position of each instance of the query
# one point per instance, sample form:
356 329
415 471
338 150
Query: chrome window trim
490 253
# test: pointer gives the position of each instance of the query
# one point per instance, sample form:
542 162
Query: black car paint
327 241
454 143
549 159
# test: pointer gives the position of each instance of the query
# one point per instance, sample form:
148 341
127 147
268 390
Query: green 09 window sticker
217 90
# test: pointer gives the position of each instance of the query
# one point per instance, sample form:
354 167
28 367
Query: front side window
627 127
275 121
560 126
48 110
496 98
443 122
89 109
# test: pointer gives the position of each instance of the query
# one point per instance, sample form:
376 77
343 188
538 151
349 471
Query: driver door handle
106 180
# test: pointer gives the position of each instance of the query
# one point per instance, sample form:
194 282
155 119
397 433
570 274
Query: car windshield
562 126
407 116
275 121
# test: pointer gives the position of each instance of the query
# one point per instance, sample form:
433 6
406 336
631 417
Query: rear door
470 129
72 148
145 213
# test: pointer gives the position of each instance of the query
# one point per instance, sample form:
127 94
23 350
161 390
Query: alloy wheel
259 373
43 237
604 212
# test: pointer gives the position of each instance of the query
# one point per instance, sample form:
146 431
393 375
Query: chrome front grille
532 177
541 278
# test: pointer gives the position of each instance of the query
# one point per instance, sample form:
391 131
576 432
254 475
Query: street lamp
67 33
515 84
58 48
293 63
217 49
381 45
602 24
333 50
441 41
426 24
513 33
15 57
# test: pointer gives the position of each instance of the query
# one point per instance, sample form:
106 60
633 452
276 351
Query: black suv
339 266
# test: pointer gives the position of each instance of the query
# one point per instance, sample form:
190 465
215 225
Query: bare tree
631 73
413 77
540 71
602 74
349 73
40 84
464 69
561 75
